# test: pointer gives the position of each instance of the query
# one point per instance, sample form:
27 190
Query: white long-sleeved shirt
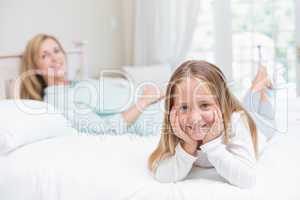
235 161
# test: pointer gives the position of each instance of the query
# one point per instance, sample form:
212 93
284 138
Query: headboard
10 66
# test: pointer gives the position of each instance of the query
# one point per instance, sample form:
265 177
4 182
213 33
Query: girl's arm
176 167
235 161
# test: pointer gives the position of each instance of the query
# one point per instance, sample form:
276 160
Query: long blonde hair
33 84
212 75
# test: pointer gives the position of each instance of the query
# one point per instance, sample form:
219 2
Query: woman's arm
131 115
150 96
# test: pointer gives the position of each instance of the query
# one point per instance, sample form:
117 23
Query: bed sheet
115 167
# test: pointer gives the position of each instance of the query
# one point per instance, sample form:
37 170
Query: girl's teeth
201 129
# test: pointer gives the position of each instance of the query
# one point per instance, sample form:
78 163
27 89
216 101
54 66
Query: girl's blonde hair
33 84
216 82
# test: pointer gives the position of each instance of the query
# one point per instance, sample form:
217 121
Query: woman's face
51 60
196 107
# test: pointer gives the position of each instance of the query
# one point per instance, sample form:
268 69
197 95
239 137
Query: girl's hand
217 127
189 144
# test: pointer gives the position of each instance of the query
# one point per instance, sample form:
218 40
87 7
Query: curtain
163 30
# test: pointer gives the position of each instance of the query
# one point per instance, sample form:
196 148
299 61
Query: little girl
206 126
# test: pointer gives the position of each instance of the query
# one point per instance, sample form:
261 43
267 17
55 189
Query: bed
114 167
93 167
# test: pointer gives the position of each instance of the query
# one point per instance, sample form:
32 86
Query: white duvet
115 167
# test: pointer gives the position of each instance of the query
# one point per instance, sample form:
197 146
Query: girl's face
51 60
196 107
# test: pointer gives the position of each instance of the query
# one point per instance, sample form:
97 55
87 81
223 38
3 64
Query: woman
43 78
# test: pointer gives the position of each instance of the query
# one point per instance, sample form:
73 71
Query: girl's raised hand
217 128
189 144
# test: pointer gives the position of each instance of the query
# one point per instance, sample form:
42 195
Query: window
268 23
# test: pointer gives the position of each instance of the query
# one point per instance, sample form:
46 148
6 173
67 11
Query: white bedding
85 167
114 167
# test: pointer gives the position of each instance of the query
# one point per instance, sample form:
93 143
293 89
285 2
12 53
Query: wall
128 22
298 45
97 21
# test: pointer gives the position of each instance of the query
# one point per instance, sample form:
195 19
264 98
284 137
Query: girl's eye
204 106
183 108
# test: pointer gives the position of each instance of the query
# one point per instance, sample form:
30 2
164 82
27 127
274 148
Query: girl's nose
195 118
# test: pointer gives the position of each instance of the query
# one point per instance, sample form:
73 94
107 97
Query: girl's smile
195 106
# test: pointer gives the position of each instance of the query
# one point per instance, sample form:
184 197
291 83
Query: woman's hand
151 95
217 128
189 145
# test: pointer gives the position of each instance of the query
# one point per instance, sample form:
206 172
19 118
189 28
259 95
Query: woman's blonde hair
33 84
216 82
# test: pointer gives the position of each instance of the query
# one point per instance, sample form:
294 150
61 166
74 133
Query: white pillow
26 121
157 74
